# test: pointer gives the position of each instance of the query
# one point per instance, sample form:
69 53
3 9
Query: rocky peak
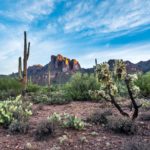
64 64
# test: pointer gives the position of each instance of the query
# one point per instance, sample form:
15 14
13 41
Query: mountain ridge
62 68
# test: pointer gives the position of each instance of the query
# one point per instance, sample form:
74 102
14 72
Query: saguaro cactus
23 77
49 75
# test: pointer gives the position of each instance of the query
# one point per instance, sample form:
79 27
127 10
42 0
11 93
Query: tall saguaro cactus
23 77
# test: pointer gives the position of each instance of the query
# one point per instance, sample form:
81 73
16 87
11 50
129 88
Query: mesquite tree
23 75
109 87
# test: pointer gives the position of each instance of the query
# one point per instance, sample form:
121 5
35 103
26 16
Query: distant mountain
62 68
131 67
144 65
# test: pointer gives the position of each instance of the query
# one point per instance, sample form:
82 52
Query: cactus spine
23 77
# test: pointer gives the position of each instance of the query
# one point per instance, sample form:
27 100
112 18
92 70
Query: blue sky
81 29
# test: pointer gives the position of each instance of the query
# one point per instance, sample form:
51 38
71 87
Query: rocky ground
93 137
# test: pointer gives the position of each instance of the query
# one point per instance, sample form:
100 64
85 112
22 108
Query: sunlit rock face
64 64
60 67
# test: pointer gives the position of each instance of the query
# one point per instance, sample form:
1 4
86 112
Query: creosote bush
99 117
9 87
53 98
79 85
122 125
43 130
143 83
33 88
18 127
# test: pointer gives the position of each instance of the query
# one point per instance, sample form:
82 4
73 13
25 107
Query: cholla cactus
105 76
120 69
135 89
103 73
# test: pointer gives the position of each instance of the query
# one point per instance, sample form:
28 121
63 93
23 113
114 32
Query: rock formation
64 64
61 69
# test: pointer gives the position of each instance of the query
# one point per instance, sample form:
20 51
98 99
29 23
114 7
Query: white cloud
28 10
107 16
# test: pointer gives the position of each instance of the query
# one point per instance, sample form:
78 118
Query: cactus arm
20 68
28 52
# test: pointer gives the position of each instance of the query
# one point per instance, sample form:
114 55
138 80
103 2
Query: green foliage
33 88
73 122
9 87
67 121
43 130
79 85
143 83
122 125
16 109
99 117
55 117
59 98
146 104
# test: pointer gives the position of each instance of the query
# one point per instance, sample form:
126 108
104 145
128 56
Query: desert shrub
122 125
99 117
135 144
18 127
14 109
73 122
39 98
55 117
33 88
9 87
59 98
145 116
67 121
43 130
47 90
143 83
145 104
79 85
